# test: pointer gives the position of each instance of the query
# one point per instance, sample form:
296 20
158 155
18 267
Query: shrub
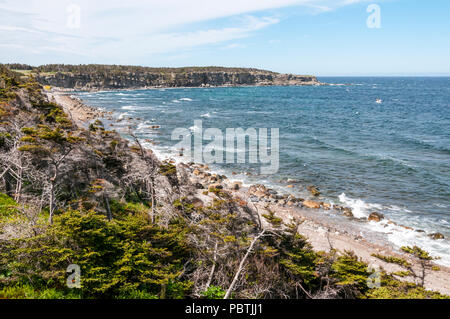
8 206
214 292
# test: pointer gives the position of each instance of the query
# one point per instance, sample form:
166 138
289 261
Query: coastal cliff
101 77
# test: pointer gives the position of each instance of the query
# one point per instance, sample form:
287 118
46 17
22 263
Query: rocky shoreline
324 235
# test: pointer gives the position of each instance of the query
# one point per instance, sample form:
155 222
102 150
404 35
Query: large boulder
348 212
236 186
376 217
199 186
259 191
436 236
216 186
311 204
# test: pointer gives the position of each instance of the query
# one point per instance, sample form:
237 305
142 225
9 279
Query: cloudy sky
322 37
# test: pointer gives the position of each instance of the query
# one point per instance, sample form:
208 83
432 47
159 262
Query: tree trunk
8 184
163 292
108 208
152 192
241 265
19 183
52 202
211 274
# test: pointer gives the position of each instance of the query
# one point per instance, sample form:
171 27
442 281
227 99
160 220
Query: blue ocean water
376 144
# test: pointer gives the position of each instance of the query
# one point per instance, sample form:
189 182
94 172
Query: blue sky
320 37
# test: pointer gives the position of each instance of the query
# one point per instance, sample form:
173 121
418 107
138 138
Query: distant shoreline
102 77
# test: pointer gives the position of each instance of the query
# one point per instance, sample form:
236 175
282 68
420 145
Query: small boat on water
379 101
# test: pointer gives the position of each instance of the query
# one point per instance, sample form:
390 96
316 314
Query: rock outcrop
376 217
105 78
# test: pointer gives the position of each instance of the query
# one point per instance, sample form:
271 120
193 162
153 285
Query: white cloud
118 28
165 42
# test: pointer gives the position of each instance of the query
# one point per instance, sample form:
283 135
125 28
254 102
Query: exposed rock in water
314 191
436 236
376 217
348 212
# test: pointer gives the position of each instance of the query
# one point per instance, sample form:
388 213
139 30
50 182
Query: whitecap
360 208
128 107
194 128
123 115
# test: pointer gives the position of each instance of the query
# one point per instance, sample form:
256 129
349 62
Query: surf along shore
323 233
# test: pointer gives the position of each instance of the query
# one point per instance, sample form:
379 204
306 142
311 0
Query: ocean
375 144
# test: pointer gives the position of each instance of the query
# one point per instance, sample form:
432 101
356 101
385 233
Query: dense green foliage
123 69
117 258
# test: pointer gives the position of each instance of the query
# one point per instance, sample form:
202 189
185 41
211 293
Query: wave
194 128
360 208
129 107
424 144
123 115
399 235
381 158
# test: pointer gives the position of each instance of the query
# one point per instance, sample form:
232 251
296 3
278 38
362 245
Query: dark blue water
392 157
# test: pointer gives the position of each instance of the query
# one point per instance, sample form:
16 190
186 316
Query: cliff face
96 81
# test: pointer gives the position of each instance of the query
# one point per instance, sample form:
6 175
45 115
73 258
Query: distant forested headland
99 77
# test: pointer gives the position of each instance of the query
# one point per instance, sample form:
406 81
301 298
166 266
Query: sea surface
374 144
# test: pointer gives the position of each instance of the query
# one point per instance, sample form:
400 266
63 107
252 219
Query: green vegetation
121 69
393 260
117 258
214 292
8 206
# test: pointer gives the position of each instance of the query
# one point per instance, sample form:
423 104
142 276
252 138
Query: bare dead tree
241 265
149 175
56 160
213 268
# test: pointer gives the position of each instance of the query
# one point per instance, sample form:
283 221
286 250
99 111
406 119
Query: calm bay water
392 157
